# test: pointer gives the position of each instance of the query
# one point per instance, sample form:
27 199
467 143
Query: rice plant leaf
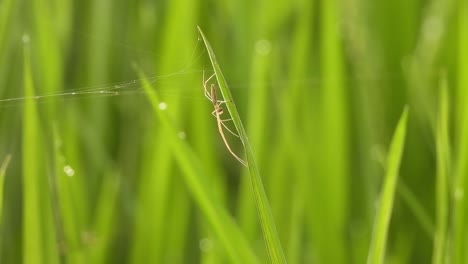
105 223
3 169
33 250
273 244
459 252
442 190
5 15
382 220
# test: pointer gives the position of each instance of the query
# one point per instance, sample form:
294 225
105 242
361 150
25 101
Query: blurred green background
320 86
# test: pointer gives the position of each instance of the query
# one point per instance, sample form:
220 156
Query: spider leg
220 129
229 130
216 114
207 80
207 95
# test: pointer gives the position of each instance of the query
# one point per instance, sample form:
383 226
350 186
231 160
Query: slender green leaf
5 15
460 188
105 221
267 223
442 180
3 169
330 183
32 219
384 213
68 197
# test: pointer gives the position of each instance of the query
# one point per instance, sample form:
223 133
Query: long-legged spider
217 112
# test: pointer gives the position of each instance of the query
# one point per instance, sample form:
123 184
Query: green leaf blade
382 222
3 169
270 234
32 235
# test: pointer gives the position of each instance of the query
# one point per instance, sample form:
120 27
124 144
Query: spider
217 112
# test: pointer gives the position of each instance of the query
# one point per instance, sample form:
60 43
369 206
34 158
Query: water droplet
459 193
25 38
433 28
263 47
182 135
69 171
162 106
206 245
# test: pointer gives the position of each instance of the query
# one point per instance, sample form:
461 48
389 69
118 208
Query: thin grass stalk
442 177
32 219
460 188
273 244
3 169
382 221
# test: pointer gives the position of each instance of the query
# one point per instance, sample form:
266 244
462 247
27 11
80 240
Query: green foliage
112 165
275 251
3 169
387 197
443 179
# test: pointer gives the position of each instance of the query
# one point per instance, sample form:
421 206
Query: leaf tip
404 115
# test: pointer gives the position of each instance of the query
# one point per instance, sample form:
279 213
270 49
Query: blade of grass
443 157
39 230
67 197
105 222
331 182
153 197
462 52
223 226
47 45
48 51
159 212
3 169
179 216
461 170
5 14
177 40
32 231
382 220
273 244
299 101
366 60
